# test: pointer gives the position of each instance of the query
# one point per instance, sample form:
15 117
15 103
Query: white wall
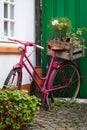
24 30
25 17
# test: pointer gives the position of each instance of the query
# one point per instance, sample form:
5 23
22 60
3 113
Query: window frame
8 19
3 39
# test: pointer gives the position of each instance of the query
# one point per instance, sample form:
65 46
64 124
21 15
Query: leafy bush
17 109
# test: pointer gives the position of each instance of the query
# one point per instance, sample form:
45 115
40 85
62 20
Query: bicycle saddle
55 47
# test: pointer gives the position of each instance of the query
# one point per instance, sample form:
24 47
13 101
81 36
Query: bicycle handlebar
26 43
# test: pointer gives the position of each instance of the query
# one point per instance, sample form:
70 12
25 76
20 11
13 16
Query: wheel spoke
67 81
13 80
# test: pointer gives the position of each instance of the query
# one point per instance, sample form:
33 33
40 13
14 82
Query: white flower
55 22
79 32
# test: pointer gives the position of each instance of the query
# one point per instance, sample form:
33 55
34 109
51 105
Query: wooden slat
70 51
66 54
60 43
63 55
76 56
9 49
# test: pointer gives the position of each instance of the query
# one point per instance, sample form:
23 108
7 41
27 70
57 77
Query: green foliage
17 109
77 37
61 26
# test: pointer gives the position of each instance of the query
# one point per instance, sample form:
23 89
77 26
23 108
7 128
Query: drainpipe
38 31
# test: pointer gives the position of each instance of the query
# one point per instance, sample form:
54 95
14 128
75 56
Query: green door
76 10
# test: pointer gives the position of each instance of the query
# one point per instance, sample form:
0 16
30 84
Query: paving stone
67 117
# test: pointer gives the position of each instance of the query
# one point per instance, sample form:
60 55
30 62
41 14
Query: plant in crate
62 30
77 37
61 27
73 44
17 109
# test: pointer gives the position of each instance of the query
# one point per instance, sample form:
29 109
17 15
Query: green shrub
17 109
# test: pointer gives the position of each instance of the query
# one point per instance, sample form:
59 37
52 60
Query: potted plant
17 109
64 36
61 27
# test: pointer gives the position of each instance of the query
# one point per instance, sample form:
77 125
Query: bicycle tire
14 79
66 70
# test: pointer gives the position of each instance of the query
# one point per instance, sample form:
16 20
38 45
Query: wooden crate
70 52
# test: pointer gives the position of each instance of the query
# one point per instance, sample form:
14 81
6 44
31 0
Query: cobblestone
67 117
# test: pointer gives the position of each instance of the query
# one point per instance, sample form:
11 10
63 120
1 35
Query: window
8 18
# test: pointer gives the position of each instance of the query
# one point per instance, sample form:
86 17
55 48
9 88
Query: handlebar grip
26 43
38 46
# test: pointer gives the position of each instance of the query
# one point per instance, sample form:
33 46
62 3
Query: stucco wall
24 30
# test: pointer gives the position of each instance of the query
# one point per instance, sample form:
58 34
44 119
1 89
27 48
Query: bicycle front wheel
13 80
66 79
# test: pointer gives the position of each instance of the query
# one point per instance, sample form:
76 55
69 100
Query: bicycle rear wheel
67 80
13 80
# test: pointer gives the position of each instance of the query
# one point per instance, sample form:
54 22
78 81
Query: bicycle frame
47 82
44 80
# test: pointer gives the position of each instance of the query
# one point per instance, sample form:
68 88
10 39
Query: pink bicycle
63 76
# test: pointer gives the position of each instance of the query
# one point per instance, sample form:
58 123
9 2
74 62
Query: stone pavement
64 116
